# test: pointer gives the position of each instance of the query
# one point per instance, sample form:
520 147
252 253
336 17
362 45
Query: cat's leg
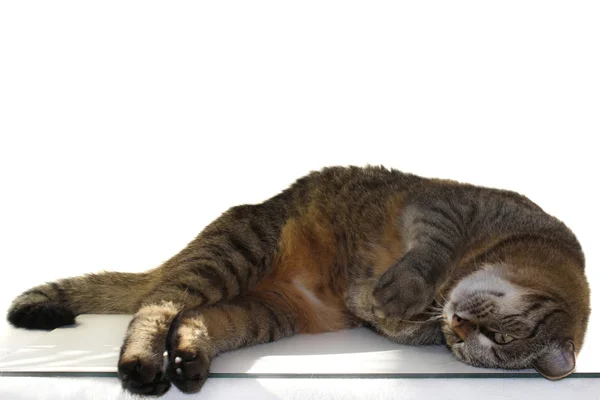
226 259
221 264
203 333
408 286
421 329
433 235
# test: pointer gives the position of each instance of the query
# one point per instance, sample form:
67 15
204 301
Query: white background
125 127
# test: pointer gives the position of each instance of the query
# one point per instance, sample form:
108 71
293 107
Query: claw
165 360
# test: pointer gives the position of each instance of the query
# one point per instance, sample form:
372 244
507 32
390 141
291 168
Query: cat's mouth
451 337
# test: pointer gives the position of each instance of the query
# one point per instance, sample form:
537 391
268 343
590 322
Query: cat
421 261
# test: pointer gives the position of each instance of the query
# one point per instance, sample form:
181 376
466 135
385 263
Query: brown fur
340 248
306 256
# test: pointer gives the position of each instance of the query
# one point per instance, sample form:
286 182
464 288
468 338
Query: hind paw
143 359
143 376
188 370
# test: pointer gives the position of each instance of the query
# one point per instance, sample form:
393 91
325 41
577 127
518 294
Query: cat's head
492 321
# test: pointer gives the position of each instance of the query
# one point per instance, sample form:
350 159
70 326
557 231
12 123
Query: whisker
434 307
432 319
443 298
442 305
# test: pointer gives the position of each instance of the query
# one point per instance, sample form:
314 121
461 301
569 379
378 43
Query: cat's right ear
557 361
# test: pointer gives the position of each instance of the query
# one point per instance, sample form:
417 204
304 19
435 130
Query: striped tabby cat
485 271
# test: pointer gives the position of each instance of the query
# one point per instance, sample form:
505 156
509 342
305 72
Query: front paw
401 293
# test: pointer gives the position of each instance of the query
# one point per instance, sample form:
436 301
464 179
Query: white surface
125 127
310 389
93 346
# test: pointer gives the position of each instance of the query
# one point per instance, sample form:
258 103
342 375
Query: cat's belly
306 275
314 307
322 311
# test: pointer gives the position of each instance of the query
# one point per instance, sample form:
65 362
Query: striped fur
421 261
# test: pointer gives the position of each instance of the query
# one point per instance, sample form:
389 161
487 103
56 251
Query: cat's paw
143 361
144 376
40 308
45 316
188 370
189 355
401 293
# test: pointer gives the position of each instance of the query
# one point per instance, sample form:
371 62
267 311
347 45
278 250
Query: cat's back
364 199
347 187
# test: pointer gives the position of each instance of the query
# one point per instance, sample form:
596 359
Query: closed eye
502 338
497 337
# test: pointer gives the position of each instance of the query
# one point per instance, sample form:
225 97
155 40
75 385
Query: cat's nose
462 327
457 321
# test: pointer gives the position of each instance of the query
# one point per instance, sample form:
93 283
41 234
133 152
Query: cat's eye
502 338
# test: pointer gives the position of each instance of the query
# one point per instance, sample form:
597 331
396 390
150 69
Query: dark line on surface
404 375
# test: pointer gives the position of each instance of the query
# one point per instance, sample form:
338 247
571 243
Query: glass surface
92 347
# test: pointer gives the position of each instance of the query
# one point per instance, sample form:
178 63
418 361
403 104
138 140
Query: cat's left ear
557 361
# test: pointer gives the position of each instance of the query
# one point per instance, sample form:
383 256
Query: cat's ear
557 361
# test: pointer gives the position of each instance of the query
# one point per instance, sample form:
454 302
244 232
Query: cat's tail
55 304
